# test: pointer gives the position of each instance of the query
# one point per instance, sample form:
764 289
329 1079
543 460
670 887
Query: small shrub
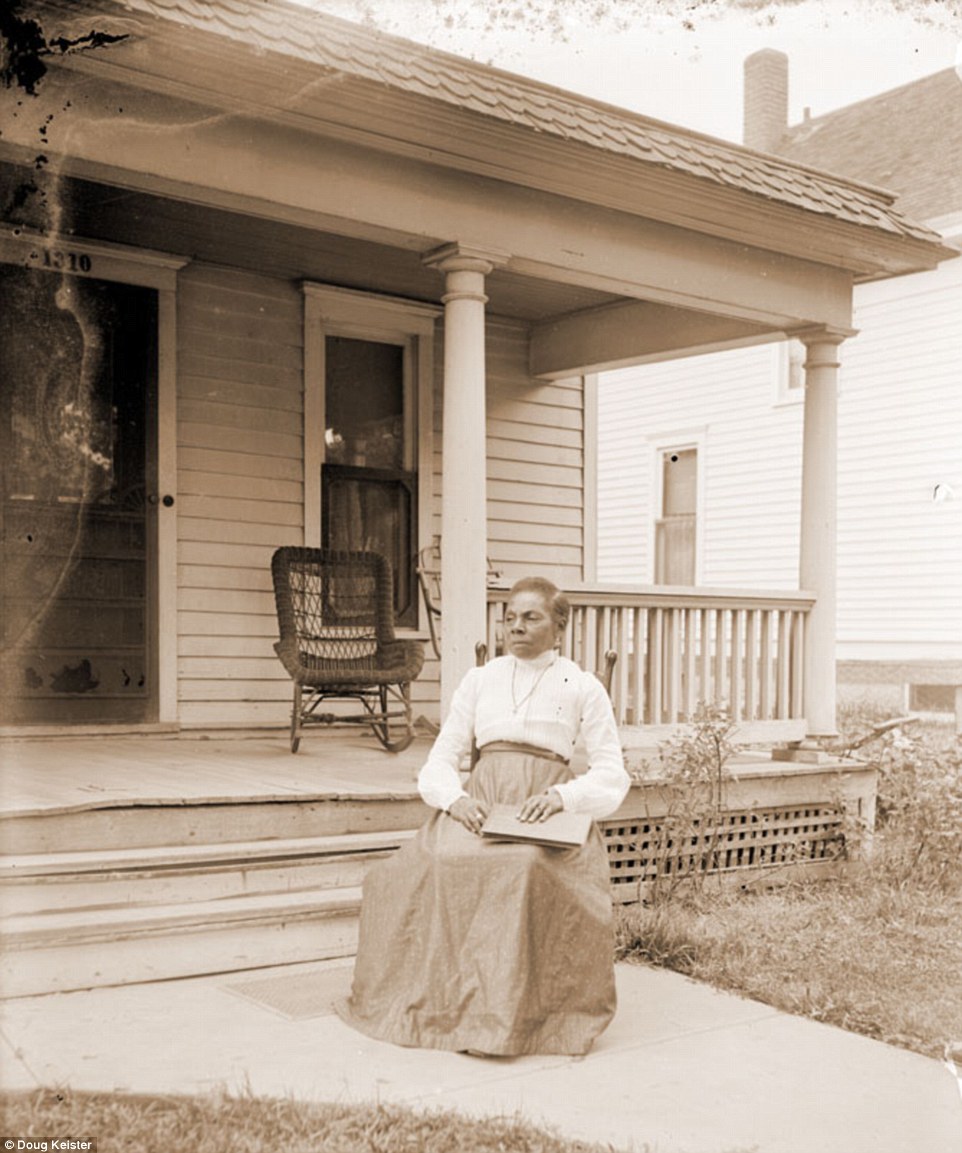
692 768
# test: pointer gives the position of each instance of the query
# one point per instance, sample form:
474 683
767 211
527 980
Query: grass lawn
877 952
884 964
123 1124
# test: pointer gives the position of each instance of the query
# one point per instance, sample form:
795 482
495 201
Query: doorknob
168 501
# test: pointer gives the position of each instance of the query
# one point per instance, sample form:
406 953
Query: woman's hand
470 812
541 806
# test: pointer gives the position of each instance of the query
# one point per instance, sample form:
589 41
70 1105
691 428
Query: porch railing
679 646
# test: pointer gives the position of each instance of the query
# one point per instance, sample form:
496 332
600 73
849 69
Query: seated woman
495 947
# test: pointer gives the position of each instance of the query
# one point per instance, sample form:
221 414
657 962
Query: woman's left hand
541 806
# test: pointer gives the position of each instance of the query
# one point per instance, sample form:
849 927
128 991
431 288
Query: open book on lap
561 830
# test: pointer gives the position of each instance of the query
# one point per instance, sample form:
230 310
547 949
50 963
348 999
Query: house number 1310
62 261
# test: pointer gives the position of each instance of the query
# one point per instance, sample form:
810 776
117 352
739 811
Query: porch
141 858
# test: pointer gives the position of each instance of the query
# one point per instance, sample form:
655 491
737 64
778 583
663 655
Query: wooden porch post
819 517
463 468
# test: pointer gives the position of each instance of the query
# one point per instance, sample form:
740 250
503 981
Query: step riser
182 885
154 826
167 954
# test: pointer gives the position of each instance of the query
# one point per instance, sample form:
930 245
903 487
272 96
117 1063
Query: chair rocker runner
336 619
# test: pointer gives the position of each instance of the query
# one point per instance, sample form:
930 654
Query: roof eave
276 87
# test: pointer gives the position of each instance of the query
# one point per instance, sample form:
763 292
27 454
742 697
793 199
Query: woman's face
528 626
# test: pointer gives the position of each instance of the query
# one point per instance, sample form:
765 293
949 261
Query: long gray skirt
497 947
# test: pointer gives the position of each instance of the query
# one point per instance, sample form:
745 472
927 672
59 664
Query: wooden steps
79 917
49 953
156 824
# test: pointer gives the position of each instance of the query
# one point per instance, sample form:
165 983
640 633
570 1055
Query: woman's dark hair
553 597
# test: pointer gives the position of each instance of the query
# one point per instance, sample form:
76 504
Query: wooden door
78 406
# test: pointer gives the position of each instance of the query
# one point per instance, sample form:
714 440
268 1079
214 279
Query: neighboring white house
700 458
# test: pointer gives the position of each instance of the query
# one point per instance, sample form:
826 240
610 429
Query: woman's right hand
470 812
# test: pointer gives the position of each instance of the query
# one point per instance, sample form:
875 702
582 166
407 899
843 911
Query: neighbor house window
676 527
368 427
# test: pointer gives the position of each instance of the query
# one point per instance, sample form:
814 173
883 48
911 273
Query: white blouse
542 702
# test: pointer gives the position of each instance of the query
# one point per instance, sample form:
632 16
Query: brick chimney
766 99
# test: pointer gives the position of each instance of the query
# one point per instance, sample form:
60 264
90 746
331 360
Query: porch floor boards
47 775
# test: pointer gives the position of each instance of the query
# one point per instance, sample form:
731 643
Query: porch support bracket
464 460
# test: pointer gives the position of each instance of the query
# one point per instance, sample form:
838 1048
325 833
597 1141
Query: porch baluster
655 647
704 655
765 666
673 658
751 664
721 631
689 687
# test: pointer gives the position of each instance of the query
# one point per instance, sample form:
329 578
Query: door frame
123 264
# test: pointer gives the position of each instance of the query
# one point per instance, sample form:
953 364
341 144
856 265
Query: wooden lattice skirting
642 851
772 821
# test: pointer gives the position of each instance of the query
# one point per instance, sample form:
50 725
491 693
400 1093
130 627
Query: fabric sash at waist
528 750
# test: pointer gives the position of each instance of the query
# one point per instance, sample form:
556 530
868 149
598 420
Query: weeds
684 844
919 812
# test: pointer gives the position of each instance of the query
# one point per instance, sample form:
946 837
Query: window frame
330 311
659 445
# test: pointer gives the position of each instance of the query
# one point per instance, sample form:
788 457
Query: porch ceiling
278 249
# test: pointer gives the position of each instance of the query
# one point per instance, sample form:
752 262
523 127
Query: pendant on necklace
530 693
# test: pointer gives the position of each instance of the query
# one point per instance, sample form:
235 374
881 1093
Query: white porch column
463 469
819 519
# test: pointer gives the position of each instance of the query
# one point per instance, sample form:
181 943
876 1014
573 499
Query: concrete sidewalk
683 1068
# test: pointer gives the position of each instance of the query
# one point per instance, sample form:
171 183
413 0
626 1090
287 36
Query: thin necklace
530 693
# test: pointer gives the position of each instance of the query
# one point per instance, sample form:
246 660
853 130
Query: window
369 481
368 429
675 529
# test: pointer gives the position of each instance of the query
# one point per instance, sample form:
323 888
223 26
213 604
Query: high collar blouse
546 702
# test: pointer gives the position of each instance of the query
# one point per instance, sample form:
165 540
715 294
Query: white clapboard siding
749 455
221 577
535 455
900 431
241 489
529 472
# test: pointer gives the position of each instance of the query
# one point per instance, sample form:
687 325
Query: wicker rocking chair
336 618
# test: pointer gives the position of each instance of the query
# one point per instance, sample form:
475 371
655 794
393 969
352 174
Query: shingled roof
333 44
908 139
